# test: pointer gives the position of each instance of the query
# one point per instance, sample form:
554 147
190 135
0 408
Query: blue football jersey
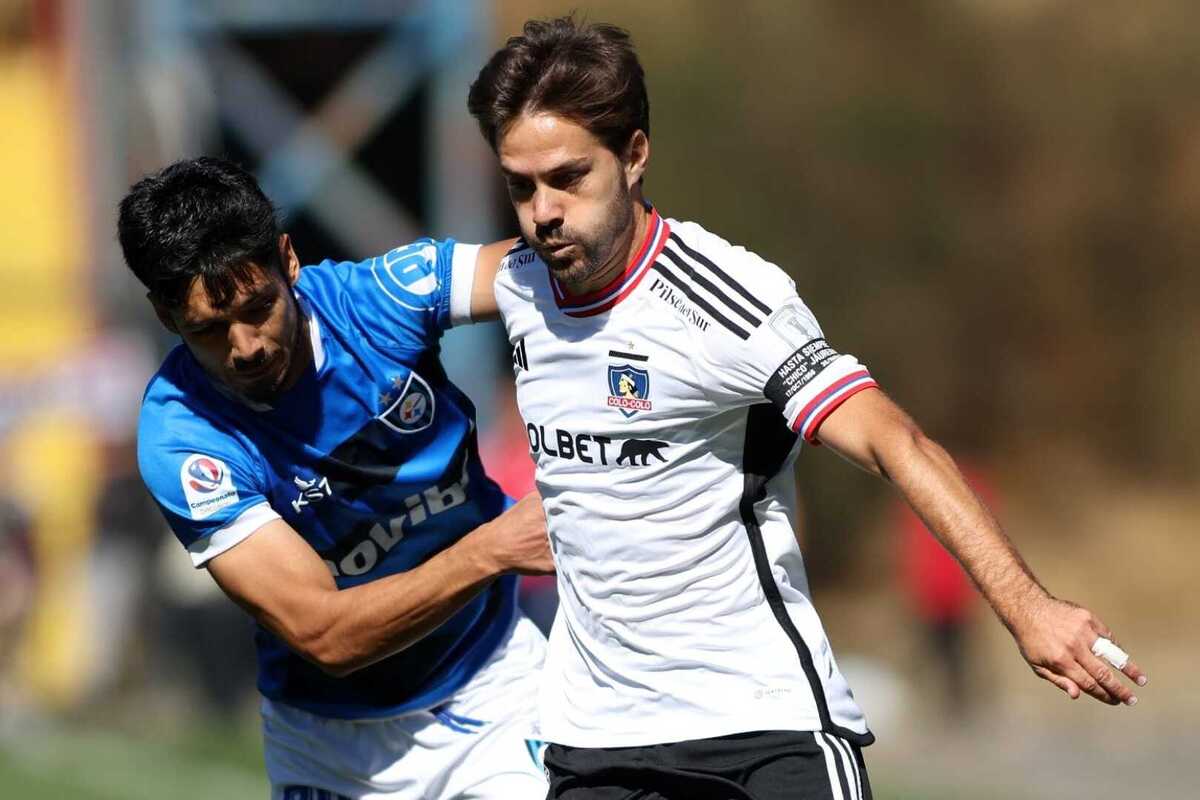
371 457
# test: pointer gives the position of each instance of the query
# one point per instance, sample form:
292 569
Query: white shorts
482 744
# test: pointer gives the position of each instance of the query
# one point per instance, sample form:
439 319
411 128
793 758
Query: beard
590 251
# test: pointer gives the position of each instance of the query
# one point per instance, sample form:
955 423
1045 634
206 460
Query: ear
288 260
163 314
637 157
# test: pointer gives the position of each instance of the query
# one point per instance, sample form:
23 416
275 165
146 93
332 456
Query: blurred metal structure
352 115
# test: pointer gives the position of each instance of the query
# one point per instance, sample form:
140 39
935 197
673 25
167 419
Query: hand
1056 638
517 539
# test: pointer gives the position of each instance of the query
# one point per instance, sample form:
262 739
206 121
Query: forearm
1054 636
935 488
366 623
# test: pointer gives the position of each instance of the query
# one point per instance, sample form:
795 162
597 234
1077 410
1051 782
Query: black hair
203 218
585 72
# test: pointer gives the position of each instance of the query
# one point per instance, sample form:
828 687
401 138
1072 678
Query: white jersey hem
686 733
204 550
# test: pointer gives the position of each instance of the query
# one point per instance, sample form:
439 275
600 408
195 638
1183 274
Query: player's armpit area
483 294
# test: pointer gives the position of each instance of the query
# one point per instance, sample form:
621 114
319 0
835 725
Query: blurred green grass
98 764
95 763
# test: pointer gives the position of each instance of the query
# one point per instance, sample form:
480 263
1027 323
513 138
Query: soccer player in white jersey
667 379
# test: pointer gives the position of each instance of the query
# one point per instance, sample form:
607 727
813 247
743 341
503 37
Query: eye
261 306
567 180
519 189
203 331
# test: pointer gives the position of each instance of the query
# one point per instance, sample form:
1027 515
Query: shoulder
518 258
750 277
180 420
406 276
401 290
521 273
728 289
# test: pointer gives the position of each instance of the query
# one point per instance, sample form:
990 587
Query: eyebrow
262 293
583 162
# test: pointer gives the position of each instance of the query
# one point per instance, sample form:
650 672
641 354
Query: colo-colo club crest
629 389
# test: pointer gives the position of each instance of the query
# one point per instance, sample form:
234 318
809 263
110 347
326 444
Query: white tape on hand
1104 648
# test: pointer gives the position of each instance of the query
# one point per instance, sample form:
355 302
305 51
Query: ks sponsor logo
311 491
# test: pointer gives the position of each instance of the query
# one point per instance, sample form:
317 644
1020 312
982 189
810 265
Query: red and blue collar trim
621 286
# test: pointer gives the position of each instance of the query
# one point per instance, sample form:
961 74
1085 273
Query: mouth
256 374
558 251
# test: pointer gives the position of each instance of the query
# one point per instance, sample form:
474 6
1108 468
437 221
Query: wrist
1019 607
481 555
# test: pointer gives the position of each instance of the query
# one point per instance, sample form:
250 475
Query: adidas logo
519 359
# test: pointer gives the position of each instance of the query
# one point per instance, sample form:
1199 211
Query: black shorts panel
766 765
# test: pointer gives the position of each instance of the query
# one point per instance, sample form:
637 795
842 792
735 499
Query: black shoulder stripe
737 287
713 290
717 316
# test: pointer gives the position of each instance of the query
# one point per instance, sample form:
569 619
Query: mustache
253 365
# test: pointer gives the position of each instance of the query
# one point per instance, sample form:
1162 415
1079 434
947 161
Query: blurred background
993 203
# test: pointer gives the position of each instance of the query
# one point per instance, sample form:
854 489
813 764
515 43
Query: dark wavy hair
585 72
203 218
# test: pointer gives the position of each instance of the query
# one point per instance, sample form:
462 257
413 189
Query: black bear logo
633 449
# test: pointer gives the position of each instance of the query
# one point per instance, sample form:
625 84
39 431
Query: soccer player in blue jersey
306 447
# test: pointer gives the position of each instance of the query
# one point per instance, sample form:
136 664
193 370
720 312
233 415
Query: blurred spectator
201 642
941 595
17 582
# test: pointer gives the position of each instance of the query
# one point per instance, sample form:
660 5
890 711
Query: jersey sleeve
413 293
206 484
782 357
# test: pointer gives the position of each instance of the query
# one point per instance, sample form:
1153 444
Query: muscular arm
1055 636
277 577
483 295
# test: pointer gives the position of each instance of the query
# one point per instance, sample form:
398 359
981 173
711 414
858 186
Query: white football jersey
663 414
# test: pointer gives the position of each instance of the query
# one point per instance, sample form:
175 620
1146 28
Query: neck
302 352
626 246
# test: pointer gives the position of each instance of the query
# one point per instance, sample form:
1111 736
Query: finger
1131 669
1106 675
1066 684
1099 627
1084 680
1135 673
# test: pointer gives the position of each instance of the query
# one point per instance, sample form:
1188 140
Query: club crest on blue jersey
629 389
408 405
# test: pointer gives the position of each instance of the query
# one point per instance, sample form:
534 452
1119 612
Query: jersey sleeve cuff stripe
237 531
462 281
809 420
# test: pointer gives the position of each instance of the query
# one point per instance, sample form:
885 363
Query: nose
547 209
245 347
